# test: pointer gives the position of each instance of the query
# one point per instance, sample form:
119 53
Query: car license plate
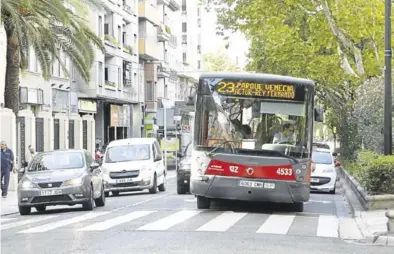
51 192
126 180
253 184
314 180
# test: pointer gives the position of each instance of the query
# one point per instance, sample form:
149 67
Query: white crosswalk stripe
222 222
170 221
62 223
277 224
186 220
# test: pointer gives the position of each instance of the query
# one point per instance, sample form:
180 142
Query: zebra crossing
183 220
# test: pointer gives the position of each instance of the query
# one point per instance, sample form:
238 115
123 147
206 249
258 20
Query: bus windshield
241 123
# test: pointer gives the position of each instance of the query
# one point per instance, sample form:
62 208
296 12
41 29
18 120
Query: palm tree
46 26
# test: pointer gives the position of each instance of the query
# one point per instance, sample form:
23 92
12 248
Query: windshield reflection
128 153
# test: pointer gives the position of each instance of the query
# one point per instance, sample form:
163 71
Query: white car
133 164
324 175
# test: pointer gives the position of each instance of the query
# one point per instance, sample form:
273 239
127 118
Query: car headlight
328 170
26 184
74 182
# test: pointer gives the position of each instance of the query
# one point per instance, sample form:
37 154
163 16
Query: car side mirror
22 170
25 164
334 154
179 155
94 166
319 117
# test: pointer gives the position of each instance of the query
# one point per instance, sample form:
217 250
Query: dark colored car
183 170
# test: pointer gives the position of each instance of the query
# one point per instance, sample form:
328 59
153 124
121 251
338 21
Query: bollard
390 222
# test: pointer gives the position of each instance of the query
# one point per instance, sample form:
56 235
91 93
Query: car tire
153 190
298 207
101 200
88 205
162 187
41 208
115 193
107 194
180 189
24 210
203 202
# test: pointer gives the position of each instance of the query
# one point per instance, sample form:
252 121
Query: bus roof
258 76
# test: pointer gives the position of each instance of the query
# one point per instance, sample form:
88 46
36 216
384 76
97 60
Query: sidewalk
373 225
9 205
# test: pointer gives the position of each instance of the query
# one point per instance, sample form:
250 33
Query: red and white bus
253 138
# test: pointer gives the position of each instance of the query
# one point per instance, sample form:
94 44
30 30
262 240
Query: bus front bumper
221 187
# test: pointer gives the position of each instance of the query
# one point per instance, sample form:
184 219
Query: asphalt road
169 223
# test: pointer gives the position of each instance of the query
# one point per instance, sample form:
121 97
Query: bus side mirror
319 115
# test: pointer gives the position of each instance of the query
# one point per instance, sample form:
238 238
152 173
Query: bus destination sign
259 90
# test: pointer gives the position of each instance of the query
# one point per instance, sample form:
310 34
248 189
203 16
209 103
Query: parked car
183 170
133 164
324 175
321 145
61 177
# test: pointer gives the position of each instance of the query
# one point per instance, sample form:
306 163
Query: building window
106 29
119 34
198 11
106 74
150 91
100 26
124 38
184 57
199 64
119 78
100 74
184 27
184 6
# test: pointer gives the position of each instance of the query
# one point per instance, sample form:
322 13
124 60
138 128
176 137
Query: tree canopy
219 61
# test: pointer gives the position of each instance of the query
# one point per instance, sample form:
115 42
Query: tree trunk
11 91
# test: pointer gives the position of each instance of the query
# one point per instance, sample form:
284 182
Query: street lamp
387 81
167 104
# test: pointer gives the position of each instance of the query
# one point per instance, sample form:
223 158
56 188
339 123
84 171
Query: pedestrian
31 154
7 165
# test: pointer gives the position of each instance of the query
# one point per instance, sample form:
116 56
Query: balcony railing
110 83
127 8
184 38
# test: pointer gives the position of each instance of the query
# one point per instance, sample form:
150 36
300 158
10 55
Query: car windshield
321 157
253 124
128 153
57 161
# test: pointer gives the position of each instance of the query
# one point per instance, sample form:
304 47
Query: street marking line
62 223
25 222
170 221
276 224
222 222
327 226
116 221
6 219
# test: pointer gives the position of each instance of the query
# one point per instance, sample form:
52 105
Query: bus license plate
126 180
257 184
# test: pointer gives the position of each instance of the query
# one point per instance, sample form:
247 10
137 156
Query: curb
10 213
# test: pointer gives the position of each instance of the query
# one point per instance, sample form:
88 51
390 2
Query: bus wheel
203 202
299 207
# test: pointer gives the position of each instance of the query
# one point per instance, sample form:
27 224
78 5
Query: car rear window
321 158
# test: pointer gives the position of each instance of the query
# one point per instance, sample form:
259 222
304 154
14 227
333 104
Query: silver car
61 177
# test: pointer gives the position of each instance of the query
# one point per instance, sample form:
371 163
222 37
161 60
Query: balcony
148 49
148 12
174 5
163 32
164 70
127 8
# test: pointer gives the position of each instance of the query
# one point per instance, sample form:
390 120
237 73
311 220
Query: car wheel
101 200
24 210
298 207
180 189
115 193
107 194
153 190
41 208
88 205
203 202
162 187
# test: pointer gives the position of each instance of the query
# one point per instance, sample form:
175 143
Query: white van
133 164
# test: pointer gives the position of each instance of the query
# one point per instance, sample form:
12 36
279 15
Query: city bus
252 138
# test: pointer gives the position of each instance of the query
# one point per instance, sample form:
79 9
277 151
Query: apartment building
114 87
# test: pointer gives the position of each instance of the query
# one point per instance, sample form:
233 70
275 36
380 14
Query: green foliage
219 62
48 27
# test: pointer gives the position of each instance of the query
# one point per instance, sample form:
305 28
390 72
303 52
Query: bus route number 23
284 171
